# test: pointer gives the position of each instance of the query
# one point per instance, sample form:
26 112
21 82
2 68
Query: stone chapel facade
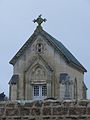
44 68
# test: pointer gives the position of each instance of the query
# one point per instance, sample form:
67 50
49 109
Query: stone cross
39 20
67 84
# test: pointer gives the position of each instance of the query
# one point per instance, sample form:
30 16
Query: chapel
44 69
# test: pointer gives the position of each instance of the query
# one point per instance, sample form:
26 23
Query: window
40 91
36 90
44 90
39 47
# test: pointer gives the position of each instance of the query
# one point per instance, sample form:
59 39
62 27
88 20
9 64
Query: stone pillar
21 87
28 91
49 88
14 92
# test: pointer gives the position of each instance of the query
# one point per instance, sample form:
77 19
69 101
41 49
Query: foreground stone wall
45 110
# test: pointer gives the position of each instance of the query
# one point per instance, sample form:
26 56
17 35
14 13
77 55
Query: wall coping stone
45 110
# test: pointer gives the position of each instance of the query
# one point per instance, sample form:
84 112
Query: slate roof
58 45
14 79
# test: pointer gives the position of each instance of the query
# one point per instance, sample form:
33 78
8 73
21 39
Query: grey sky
67 20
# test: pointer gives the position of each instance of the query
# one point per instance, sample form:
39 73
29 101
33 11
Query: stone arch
38 72
44 70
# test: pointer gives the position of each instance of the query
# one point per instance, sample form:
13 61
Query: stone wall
45 110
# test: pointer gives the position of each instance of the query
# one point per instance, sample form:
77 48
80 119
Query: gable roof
58 45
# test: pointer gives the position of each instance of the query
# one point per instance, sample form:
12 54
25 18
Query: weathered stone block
60 111
35 111
67 104
38 103
88 110
46 111
82 111
10 105
12 112
2 111
47 103
73 111
83 103
2 104
77 110
24 111
28 104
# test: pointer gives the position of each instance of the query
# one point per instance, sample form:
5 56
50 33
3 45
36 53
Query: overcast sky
67 20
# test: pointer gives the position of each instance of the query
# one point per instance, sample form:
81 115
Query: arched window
39 47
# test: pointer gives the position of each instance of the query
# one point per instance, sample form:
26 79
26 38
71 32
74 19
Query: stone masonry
45 110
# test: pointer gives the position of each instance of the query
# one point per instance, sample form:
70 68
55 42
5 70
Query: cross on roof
39 20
